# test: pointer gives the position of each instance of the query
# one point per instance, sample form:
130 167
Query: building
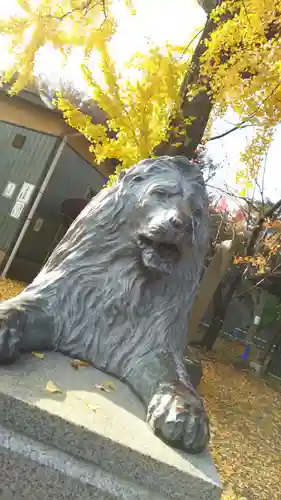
45 166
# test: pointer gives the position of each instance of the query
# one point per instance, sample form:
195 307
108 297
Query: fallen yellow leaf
75 363
39 355
92 407
106 387
109 385
102 388
52 387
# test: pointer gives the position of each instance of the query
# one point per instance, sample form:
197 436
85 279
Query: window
18 141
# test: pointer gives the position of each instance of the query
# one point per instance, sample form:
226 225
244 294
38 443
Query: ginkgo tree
242 64
138 112
169 103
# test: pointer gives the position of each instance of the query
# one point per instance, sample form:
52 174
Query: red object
238 215
221 206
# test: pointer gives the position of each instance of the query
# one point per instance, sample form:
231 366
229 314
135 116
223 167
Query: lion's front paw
9 340
177 415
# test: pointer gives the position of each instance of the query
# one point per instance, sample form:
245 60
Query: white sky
160 21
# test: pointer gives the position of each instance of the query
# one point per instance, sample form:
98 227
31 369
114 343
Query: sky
160 21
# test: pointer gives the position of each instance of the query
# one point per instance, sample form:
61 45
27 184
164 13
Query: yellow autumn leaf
109 385
106 387
92 407
39 355
75 363
52 388
102 388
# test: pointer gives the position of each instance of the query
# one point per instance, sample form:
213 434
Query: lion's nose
183 224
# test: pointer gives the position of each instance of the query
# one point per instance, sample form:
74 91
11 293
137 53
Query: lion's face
167 211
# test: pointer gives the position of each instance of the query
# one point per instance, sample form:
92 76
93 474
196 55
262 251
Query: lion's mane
100 304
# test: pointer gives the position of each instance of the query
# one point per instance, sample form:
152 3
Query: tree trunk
207 5
216 322
259 301
199 107
270 351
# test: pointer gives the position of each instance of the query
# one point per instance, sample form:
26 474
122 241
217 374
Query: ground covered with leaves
246 425
9 288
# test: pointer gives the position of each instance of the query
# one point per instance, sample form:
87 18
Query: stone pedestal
86 443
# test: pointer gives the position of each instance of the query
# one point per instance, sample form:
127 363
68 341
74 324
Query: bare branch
263 175
104 9
221 226
258 283
239 126
247 200
85 8
191 42
248 289
243 123
256 231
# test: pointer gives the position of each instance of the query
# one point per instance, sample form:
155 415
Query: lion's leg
24 326
174 409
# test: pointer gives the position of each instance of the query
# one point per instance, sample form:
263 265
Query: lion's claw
9 340
179 420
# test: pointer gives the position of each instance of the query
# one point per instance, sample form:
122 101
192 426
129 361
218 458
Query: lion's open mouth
166 251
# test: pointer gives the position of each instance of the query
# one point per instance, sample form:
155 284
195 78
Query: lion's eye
138 178
161 192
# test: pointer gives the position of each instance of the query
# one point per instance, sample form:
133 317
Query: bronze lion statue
118 290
